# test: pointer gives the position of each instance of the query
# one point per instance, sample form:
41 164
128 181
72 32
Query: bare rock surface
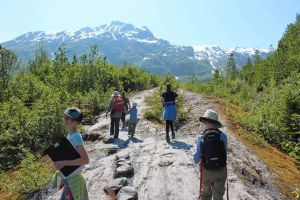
165 171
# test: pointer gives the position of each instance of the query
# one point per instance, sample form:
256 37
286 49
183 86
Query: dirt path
165 171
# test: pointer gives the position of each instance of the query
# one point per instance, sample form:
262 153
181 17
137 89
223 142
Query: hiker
168 99
115 108
211 153
132 119
74 187
127 106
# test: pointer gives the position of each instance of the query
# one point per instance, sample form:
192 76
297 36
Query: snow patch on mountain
115 30
217 56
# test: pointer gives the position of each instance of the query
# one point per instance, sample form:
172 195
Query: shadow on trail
122 144
135 140
180 145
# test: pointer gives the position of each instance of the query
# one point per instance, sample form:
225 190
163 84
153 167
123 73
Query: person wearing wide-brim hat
115 108
211 117
211 154
115 94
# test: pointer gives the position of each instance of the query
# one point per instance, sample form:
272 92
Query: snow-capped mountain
121 42
217 56
114 30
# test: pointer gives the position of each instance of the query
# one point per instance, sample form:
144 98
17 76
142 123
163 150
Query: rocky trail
146 167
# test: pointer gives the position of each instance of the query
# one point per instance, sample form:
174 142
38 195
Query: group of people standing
118 107
210 154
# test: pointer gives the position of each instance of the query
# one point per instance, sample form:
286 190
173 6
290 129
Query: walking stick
200 179
227 192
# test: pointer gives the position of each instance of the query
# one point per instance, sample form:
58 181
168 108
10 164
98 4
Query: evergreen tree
231 69
125 63
257 57
74 61
247 72
61 59
216 75
93 55
41 57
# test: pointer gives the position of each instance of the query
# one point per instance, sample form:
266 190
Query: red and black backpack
118 104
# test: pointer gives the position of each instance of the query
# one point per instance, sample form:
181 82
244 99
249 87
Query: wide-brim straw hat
115 94
211 116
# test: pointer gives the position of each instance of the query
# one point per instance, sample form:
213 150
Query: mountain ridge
125 43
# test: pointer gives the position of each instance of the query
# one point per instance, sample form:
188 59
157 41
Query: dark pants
169 124
114 126
123 119
131 128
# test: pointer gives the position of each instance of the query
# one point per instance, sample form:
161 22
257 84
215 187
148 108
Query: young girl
74 187
168 99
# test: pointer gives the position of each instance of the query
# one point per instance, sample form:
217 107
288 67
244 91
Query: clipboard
64 150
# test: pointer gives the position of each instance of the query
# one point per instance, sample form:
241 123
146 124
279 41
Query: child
132 119
74 187
211 153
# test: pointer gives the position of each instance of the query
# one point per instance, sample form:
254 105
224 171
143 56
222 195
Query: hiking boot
168 139
173 136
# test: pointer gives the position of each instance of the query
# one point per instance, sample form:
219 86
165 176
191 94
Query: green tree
216 75
8 64
247 72
231 68
74 61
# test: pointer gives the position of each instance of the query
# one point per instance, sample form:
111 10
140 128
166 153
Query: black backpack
213 151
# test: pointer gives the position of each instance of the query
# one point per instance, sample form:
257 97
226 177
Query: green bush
34 100
31 176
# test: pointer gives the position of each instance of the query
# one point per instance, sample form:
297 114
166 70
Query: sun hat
134 104
74 113
115 94
211 116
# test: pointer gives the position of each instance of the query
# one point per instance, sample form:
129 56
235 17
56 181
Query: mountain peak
114 30
119 41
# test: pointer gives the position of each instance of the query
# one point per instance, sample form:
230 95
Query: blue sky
227 23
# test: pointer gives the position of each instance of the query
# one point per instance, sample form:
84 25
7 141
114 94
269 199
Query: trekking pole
200 179
227 193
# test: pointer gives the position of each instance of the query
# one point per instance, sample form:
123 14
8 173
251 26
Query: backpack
118 104
213 151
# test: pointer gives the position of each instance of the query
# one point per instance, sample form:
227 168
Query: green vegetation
32 102
268 91
155 110
32 175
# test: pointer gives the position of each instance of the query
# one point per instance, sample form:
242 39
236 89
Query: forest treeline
32 101
267 90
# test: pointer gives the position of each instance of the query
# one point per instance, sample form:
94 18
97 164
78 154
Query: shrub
31 177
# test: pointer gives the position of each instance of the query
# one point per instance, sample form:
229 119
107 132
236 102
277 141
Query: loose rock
128 193
124 170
